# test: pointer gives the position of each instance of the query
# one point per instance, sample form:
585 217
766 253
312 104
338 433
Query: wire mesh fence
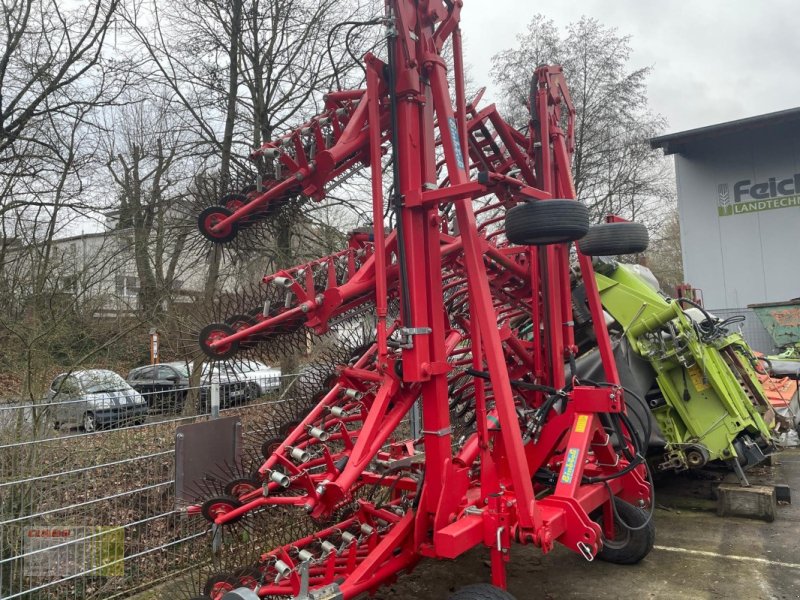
88 508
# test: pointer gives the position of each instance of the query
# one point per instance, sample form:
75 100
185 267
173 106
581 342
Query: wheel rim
218 507
622 536
88 423
212 220
214 333
240 487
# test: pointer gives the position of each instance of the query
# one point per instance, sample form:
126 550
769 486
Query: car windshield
181 368
102 381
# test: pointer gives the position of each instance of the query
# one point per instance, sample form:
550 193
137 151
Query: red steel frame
485 491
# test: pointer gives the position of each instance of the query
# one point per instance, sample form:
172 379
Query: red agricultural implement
509 448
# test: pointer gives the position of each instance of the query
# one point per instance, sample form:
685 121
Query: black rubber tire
220 579
207 509
613 239
270 445
219 329
251 392
547 222
481 591
214 214
89 423
237 485
629 547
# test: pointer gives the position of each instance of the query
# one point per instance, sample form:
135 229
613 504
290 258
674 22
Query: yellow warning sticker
580 424
696 375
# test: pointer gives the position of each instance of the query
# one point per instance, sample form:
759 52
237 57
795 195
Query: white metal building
739 208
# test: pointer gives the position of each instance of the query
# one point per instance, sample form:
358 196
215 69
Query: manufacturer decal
569 465
456 142
754 196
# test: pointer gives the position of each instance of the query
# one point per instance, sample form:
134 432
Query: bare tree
146 158
614 169
52 69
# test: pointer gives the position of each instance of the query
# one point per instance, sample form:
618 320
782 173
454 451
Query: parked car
93 399
268 379
234 387
165 386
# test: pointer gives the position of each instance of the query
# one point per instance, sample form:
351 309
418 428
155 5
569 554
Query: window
57 383
126 285
70 386
165 373
147 373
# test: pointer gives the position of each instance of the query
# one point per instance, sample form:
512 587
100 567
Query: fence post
214 400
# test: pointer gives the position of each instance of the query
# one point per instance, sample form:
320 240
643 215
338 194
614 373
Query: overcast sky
712 60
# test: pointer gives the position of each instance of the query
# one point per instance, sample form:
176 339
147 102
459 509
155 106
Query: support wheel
210 218
481 591
634 535
220 584
270 446
216 507
613 239
547 222
215 332
241 486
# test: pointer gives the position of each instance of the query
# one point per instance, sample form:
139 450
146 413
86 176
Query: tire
547 222
89 423
180 400
613 239
251 392
629 547
481 591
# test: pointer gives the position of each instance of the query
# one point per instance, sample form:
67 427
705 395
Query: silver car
94 399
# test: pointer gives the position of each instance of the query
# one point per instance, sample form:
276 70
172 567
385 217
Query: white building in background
101 270
739 208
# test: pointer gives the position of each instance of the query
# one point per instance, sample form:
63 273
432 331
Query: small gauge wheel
209 225
213 508
214 333
240 487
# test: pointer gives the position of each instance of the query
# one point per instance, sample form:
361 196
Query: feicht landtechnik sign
749 196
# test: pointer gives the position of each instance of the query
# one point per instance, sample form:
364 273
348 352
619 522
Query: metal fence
94 514
752 328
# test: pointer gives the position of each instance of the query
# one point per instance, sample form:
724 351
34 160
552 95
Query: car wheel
89 423
252 391
180 400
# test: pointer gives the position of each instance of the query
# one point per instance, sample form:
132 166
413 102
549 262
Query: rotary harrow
508 447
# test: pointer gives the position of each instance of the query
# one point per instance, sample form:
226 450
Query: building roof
673 143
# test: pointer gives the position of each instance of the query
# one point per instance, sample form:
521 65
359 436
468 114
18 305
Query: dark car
166 386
